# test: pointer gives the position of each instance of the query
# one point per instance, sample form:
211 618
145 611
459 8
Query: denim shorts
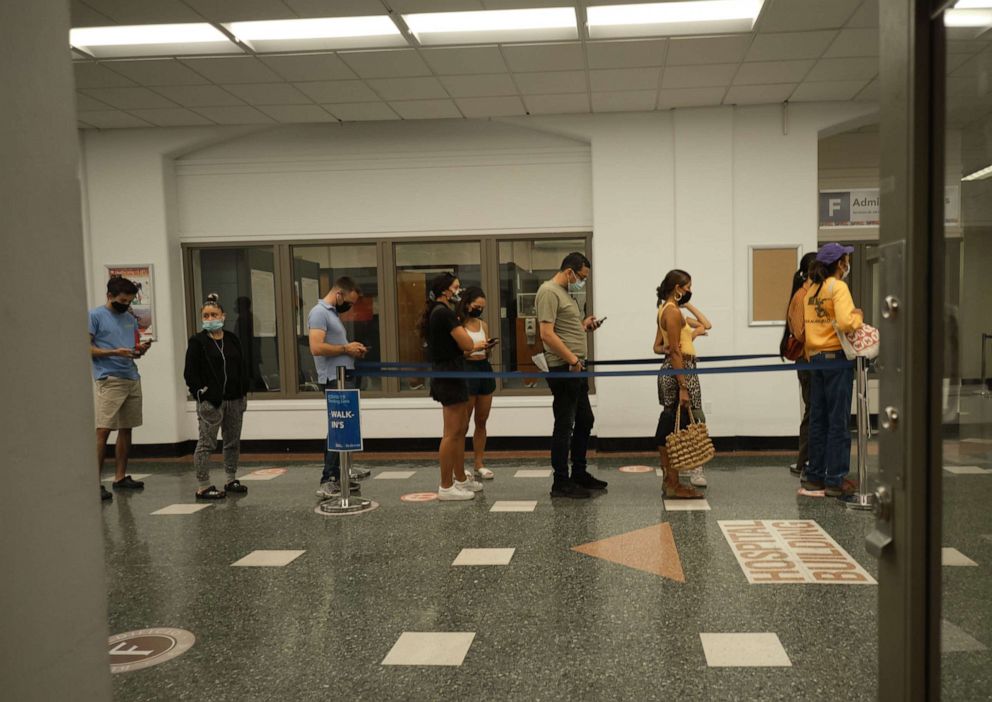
480 386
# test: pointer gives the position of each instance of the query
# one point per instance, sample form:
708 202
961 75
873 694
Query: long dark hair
820 271
438 285
673 278
469 296
799 279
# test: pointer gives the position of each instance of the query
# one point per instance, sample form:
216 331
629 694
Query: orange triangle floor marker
651 549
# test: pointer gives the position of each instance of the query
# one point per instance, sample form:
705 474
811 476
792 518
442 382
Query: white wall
689 189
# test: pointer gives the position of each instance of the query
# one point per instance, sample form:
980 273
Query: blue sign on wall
344 426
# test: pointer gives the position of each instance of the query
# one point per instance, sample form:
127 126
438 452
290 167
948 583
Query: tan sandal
681 492
484 473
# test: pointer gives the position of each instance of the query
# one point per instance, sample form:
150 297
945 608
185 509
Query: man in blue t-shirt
114 344
331 349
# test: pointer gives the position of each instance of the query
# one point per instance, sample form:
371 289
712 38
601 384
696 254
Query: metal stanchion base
354 505
860 502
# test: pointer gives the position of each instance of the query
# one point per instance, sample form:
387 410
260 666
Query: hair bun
213 297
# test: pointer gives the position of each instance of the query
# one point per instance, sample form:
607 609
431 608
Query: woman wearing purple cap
829 308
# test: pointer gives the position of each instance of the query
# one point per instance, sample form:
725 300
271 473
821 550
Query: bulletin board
770 271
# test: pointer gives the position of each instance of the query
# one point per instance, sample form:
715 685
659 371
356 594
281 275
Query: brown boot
674 490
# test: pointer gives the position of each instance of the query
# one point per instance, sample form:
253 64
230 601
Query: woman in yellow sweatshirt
829 308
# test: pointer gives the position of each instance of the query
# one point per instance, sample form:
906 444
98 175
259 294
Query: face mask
477 312
213 324
343 307
578 285
847 272
686 296
120 307
456 296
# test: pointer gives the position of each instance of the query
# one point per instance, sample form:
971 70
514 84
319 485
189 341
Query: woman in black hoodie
217 377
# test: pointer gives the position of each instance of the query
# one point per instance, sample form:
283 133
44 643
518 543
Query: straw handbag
690 447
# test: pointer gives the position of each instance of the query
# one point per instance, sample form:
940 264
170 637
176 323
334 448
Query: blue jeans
573 423
829 421
332 459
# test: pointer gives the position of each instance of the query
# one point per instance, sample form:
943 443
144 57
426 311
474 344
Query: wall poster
143 307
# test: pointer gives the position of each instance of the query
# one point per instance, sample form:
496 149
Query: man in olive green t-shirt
563 333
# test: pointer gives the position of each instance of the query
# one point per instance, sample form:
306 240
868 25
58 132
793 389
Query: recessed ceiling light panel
322 34
494 26
665 19
152 40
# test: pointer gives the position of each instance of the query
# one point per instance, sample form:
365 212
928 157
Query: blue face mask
213 325
578 286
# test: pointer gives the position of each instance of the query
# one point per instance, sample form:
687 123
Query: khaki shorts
118 403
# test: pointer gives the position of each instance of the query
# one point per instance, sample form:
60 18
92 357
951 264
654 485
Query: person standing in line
480 390
795 327
331 349
829 303
563 334
674 337
447 343
114 344
217 376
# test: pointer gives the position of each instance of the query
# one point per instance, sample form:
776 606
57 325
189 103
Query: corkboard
770 280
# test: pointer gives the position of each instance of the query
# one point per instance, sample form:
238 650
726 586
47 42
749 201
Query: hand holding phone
492 342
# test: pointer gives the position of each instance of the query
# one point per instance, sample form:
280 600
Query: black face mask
343 307
120 307
477 312
686 296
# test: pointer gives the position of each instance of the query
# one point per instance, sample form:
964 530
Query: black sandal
211 493
236 486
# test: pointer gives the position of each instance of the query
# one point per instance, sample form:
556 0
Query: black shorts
449 391
480 386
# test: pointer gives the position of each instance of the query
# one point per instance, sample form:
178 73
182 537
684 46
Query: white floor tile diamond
967 470
514 506
188 508
484 557
687 505
533 473
269 558
395 475
430 648
953 557
744 651
954 639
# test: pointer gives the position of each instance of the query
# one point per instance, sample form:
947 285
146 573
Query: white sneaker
454 493
469 484
697 478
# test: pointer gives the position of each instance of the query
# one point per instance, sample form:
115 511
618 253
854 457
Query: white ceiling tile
336 8
474 107
955 61
551 82
288 114
145 11
758 94
465 60
199 95
173 117
309 67
361 111
690 97
241 10
111 119
413 6
866 15
627 101
844 69
129 98
426 109
83 125
152 72
268 93
624 79
626 54
698 76
338 91
83 15
827 90
233 69
544 57
854 42
397 63
798 15
479 86
687 51
785 46
764 72
234 115
408 88
96 75
557 104
85 102
869 93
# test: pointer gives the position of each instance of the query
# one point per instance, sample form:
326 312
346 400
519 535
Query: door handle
880 537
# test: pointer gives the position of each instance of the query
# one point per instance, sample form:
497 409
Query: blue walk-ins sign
344 426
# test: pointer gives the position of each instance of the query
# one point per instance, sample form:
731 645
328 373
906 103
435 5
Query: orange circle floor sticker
134 650
419 497
636 469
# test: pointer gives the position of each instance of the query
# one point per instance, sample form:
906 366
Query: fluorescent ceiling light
973 5
672 18
494 26
980 174
968 18
319 34
152 40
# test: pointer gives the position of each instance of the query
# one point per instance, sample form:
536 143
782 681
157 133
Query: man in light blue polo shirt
331 349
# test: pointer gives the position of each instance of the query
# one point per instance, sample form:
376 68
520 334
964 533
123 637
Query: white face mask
846 273
578 285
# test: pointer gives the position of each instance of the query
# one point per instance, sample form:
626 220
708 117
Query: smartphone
492 342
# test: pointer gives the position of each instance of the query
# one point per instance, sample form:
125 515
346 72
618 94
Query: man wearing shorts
114 344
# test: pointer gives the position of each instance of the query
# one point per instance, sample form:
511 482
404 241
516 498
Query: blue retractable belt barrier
589 362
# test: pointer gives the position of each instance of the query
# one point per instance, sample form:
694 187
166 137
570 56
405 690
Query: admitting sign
344 426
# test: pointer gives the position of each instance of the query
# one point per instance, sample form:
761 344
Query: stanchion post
863 499
984 392
345 503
